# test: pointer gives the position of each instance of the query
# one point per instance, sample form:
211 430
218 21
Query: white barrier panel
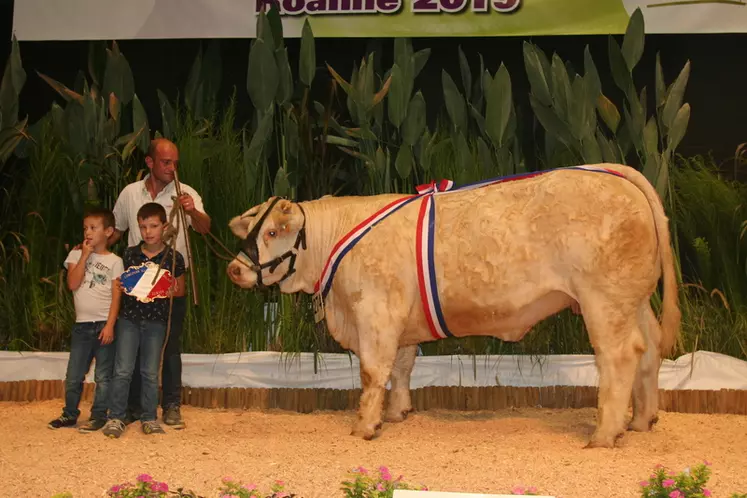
700 371
406 493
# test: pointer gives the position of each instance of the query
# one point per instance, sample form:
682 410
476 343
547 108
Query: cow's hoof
603 442
642 424
366 432
399 416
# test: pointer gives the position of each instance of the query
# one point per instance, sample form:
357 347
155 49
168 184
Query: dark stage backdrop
717 90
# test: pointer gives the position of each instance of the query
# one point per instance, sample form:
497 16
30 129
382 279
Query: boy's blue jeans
147 336
85 346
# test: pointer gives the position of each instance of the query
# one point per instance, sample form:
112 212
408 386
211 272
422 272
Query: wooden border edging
427 398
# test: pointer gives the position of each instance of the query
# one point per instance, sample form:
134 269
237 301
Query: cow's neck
327 221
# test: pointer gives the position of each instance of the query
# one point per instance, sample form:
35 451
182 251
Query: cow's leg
618 343
378 349
400 404
646 387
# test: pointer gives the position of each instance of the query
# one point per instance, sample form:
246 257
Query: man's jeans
84 347
171 373
148 337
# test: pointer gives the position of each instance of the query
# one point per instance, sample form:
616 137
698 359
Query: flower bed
361 483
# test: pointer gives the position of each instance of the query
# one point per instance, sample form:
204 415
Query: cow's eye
272 233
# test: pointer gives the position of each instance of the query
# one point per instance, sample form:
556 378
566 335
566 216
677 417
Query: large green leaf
608 111
404 162
484 155
591 75
285 77
679 127
591 151
661 88
262 78
140 120
118 77
632 47
307 62
455 104
168 116
420 58
498 109
674 97
415 122
578 111
538 81
605 146
281 185
466 73
14 78
651 137
620 72
397 100
550 121
276 25
561 90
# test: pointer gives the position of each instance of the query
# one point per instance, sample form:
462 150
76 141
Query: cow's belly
507 317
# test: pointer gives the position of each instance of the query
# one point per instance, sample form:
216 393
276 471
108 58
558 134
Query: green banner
136 19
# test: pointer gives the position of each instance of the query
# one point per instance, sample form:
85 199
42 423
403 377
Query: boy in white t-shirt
91 274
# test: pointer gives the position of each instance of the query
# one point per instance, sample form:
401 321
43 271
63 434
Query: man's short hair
152 209
105 215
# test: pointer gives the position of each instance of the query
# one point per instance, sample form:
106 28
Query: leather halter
248 248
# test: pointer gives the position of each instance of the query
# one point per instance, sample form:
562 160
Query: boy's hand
86 248
107 335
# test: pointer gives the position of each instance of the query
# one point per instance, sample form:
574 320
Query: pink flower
144 478
706 463
668 483
159 487
518 490
380 487
532 489
706 493
361 469
676 494
659 466
249 487
280 483
643 484
385 473
227 479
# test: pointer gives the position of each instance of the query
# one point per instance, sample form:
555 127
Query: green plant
363 484
689 483
237 489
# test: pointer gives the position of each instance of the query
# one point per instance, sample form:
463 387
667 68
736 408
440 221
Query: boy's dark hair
105 215
152 209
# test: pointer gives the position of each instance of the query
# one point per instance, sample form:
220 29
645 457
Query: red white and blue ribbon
137 281
424 240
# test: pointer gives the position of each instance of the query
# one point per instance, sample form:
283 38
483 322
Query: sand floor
478 452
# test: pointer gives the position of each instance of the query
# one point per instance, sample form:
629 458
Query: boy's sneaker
152 427
93 425
62 421
114 428
172 417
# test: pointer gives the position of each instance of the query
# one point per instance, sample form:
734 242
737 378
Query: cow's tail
670 315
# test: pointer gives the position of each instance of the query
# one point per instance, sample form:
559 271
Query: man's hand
187 203
107 335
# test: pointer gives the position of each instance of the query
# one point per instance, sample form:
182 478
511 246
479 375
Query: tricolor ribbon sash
424 242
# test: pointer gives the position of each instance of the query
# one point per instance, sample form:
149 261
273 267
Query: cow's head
271 235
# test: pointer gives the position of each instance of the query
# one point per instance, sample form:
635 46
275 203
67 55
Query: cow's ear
285 206
239 225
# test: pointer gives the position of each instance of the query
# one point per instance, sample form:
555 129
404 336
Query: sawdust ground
480 452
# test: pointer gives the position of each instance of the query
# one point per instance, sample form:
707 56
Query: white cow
501 259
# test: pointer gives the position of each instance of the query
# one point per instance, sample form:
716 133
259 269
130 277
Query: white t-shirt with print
94 296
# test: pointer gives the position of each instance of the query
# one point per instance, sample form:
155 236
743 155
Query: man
158 186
